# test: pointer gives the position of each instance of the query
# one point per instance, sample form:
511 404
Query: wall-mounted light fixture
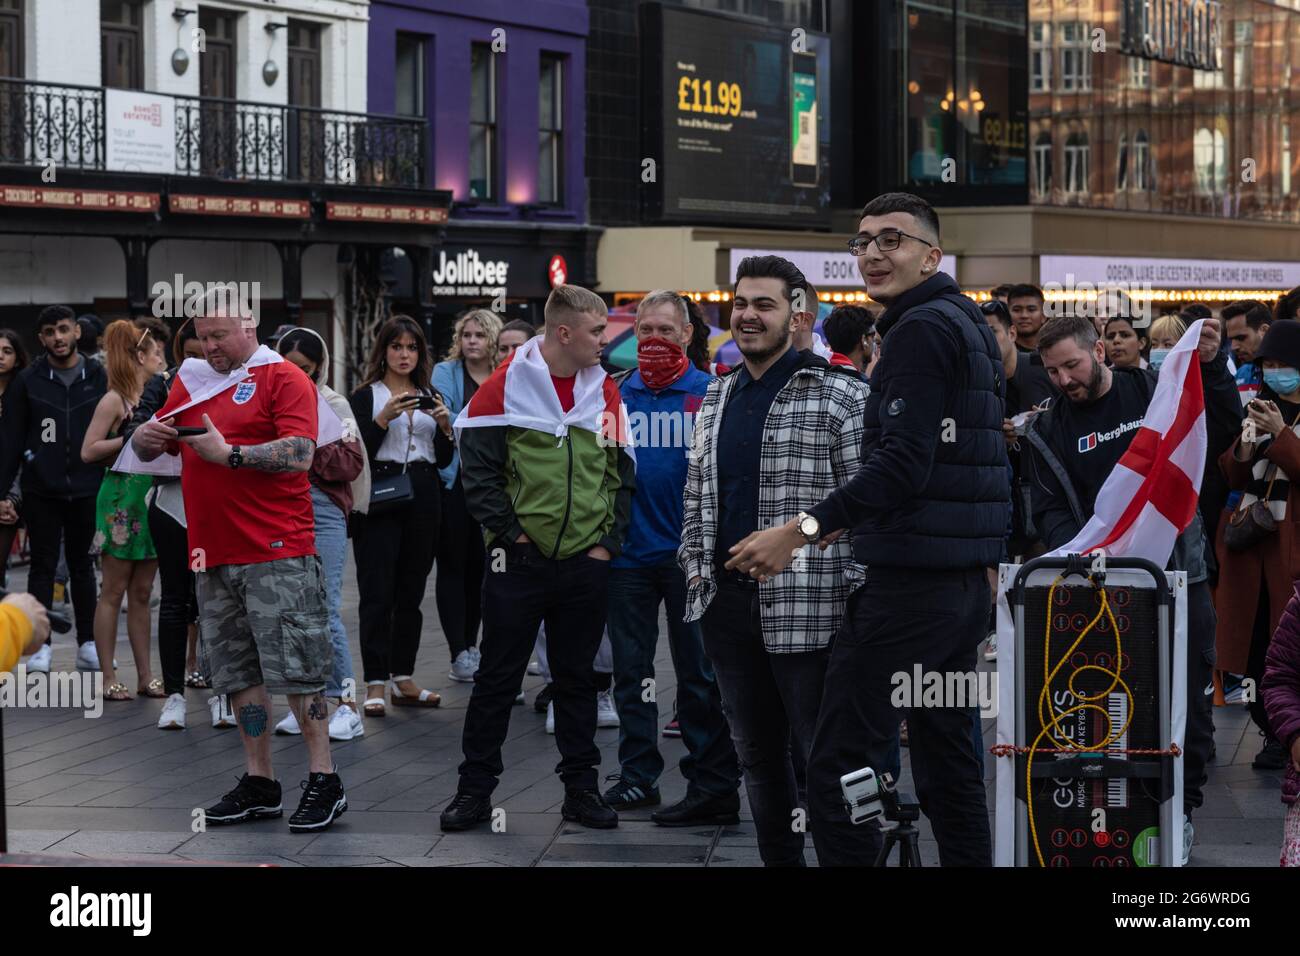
270 71
180 58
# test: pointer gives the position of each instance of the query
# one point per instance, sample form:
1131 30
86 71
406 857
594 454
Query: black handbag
1248 526
393 491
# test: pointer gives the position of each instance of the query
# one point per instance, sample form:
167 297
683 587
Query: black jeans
1198 740
771 703
570 596
394 552
72 522
459 587
1260 639
901 617
177 604
7 534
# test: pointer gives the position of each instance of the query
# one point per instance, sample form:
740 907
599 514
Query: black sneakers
588 808
698 807
322 803
254 797
465 811
627 796
542 700
1271 756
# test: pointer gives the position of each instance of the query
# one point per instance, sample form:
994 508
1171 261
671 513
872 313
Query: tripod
903 834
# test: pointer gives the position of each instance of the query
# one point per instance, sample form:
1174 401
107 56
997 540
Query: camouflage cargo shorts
266 623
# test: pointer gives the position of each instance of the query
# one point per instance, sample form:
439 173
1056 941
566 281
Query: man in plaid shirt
773 437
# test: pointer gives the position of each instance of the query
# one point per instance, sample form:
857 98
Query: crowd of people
825 514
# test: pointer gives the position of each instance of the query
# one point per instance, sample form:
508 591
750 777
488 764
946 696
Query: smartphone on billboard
803 119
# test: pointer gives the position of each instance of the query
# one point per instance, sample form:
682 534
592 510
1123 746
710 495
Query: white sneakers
173 713
463 667
289 725
223 715
991 651
39 663
534 669
1189 837
606 714
87 657
346 723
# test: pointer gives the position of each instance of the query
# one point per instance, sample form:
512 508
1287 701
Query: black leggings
1260 639
177 605
459 587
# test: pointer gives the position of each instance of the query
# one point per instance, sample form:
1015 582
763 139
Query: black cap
92 322
1281 344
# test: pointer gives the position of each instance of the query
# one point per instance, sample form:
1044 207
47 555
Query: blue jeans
710 764
332 546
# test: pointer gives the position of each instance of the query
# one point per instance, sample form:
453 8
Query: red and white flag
198 382
521 393
1150 496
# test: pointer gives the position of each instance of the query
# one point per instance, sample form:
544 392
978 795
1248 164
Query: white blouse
415 429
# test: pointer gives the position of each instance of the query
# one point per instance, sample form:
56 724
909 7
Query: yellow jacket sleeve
15 632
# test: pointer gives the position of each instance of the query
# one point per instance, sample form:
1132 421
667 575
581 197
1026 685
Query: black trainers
626 796
698 807
588 808
542 699
323 801
1271 756
253 797
465 812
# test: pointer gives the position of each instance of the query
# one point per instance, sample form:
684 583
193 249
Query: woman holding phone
134 354
406 428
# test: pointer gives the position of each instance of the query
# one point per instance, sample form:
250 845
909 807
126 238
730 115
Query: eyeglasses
995 307
887 241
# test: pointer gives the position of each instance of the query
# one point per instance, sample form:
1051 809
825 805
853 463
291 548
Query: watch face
808 526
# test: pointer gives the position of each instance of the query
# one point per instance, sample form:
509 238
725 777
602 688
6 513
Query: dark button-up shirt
740 445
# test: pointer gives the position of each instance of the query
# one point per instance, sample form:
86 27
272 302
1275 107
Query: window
408 74
1076 59
11 38
304 63
1139 73
482 122
217 62
1043 165
1286 159
1040 57
1210 160
1076 164
550 115
121 44
1143 178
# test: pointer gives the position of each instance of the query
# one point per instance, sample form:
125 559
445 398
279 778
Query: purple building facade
502 84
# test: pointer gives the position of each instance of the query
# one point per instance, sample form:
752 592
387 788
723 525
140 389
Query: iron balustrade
234 140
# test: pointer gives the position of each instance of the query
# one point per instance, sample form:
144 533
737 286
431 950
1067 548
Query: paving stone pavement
117 788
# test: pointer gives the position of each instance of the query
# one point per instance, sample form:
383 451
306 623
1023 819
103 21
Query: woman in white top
406 429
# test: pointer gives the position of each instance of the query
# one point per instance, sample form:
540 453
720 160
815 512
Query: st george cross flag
1150 496
199 382
521 393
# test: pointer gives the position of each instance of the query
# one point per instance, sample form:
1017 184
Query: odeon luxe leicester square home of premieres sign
1185 32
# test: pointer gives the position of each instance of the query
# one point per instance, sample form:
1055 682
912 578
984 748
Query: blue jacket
661 425
449 379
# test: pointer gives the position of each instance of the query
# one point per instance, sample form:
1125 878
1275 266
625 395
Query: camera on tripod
868 796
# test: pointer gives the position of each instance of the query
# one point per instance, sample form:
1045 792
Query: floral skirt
1291 836
122 517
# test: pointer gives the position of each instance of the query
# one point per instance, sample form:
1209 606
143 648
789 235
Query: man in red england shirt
262 608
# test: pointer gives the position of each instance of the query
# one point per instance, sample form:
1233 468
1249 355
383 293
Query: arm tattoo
283 454
252 718
316 710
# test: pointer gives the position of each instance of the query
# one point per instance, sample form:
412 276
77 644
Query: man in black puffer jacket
929 509
47 411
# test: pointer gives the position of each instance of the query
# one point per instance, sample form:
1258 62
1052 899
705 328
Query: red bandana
661 362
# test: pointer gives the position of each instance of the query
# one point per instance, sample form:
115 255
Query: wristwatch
236 456
809 527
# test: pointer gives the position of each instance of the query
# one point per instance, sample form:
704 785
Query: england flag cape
1150 496
198 382
521 393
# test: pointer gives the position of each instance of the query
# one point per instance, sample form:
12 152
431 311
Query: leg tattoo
317 710
252 717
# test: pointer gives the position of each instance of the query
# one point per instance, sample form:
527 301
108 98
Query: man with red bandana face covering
662 395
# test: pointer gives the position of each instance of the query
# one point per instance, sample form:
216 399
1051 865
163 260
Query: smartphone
425 403
803 119
189 431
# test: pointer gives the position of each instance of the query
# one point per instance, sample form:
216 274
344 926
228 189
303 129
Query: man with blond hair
547 476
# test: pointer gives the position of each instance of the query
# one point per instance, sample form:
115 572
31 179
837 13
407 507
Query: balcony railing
223 139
